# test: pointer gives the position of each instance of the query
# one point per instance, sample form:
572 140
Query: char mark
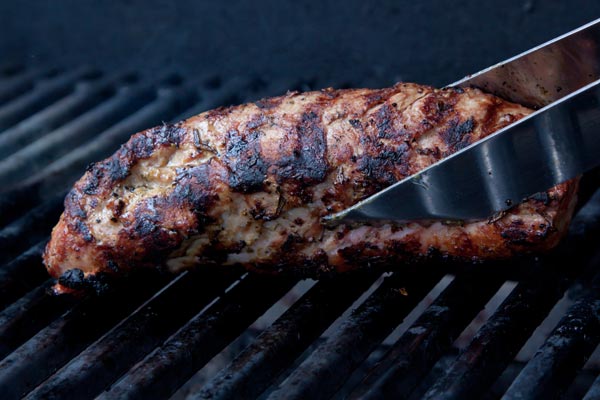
457 136
151 230
73 205
84 230
76 280
356 124
169 134
247 169
308 162
141 146
118 169
384 121
384 166
194 189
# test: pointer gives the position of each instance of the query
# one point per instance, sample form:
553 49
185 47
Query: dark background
433 42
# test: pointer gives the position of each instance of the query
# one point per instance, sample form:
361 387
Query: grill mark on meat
438 106
96 175
356 124
308 162
205 190
83 229
386 166
247 169
457 135
383 120
73 205
157 227
193 188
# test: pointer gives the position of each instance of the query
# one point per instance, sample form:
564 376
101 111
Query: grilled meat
249 184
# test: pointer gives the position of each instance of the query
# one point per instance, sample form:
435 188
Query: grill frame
162 329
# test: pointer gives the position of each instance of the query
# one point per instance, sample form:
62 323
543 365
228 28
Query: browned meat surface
249 184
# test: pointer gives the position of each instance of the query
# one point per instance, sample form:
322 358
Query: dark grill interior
227 334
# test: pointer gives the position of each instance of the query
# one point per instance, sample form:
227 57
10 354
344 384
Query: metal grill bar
21 83
35 156
554 365
328 367
21 275
496 344
100 364
85 96
502 336
43 93
56 344
160 374
28 315
413 355
31 228
253 370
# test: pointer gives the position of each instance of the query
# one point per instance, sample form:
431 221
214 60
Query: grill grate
148 336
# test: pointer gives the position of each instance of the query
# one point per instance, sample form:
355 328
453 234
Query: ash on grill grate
148 336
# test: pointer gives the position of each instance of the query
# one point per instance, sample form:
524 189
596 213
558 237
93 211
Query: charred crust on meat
94 179
385 165
290 242
457 135
141 146
542 197
145 223
201 144
308 162
383 120
73 279
260 212
256 121
170 134
247 169
118 169
194 188
359 253
356 124
411 246
437 106
515 233
76 280
83 229
73 205
149 231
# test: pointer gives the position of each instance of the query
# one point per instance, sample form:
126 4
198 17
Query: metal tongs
561 140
